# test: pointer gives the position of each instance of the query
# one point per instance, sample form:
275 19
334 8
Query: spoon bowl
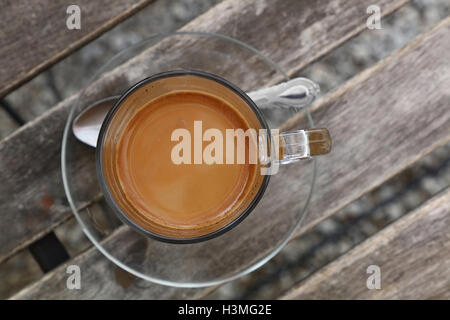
87 124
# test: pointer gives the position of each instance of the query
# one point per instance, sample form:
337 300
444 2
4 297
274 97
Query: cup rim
99 154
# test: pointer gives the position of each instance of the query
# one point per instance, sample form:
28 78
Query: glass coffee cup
287 203
191 201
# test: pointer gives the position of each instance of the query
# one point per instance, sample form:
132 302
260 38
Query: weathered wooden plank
379 114
412 254
382 121
32 199
120 284
34 37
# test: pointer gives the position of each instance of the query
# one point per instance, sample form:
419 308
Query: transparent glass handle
303 144
291 146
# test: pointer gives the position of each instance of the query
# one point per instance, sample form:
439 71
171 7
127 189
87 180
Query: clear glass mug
284 148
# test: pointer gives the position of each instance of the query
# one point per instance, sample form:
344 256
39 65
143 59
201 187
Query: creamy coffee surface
181 196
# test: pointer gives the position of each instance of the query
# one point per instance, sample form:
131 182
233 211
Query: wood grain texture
294 33
30 157
7 124
119 284
382 121
412 254
388 114
33 37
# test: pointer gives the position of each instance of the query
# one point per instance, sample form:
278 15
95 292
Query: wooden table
393 114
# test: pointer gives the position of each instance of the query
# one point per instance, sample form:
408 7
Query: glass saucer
237 252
